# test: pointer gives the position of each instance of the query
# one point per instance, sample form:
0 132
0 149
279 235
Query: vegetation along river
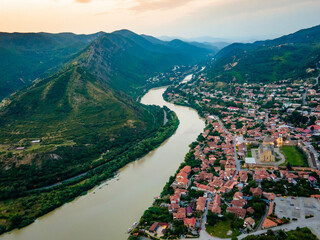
107 212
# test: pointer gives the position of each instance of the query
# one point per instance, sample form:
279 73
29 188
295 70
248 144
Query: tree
15 221
289 167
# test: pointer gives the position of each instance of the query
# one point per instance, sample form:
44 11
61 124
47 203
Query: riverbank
108 210
20 212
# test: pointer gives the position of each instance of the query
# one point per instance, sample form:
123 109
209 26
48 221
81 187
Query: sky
225 19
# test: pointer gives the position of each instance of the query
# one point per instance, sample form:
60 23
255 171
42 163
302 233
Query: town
254 168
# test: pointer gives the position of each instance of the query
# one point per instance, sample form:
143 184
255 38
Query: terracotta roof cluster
182 180
288 175
261 175
216 204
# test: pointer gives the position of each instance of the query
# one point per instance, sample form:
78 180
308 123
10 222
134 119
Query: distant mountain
125 60
265 61
25 57
211 42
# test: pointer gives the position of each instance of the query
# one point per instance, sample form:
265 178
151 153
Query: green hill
271 60
25 57
77 118
85 109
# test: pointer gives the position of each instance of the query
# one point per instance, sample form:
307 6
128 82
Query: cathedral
266 150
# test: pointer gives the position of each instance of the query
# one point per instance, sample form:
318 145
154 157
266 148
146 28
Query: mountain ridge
282 58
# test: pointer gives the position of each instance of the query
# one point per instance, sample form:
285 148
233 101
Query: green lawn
221 229
249 148
293 156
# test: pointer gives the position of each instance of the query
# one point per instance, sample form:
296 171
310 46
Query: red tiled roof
190 222
268 223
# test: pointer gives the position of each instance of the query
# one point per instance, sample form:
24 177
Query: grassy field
249 148
293 156
221 229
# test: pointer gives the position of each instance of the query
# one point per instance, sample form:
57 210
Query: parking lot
297 208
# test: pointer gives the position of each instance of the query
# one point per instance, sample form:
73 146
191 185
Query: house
180 214
217 200
216 210
205 188
303 174
239 203
256 191
173 207
201 203
238 196
186 169
268 224
250 210
312 179
189 211
183 183
243 176
190 222
314 128
174 199
154 227
238 212
249 223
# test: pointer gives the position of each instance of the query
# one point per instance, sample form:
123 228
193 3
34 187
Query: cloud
83 1
147 5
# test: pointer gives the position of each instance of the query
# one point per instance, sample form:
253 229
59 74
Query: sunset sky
235 19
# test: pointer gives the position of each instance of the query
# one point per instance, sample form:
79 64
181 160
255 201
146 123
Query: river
107 211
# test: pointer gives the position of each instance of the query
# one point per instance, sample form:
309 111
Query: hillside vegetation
85 114
25 57
290 56
125 60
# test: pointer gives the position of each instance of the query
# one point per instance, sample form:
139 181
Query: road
263 218
311 223
304 96
267 118
283 159
314 154
314 226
